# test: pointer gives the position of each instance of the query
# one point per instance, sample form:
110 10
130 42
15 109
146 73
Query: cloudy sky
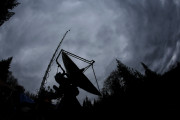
132 31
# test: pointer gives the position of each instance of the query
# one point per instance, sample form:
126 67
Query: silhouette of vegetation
127 91
7 85
13 99
5 9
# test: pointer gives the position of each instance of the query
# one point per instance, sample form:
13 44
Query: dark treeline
125 91
128 91
13 97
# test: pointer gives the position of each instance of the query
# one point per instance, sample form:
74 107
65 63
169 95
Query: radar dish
77 76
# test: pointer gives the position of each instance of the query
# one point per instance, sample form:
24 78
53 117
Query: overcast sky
132 31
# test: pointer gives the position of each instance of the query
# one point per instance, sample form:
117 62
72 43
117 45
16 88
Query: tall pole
50 63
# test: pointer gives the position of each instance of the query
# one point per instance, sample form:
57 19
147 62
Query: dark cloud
133 31
152 27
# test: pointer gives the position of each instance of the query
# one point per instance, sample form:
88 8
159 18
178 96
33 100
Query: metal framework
50 64
90 62
75 56
68 53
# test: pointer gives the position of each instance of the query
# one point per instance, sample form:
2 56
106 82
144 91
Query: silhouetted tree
8 85
171 83
87 105
6 77
4 68
127 91
5 7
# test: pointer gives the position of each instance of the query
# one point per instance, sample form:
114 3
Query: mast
50 63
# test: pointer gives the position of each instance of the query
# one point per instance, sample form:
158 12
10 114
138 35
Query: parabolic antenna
77 76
